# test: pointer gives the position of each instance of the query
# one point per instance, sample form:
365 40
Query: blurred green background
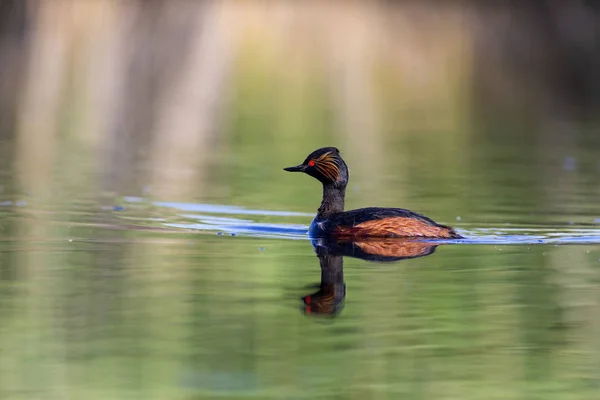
480 116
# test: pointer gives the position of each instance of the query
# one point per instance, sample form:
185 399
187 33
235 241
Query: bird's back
385 222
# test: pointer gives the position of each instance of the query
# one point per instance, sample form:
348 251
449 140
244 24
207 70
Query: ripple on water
220 218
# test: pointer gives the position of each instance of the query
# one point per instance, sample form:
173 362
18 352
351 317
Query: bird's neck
333 201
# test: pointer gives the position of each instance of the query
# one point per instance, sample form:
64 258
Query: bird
327 166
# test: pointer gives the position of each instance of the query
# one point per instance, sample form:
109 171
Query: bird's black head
326 165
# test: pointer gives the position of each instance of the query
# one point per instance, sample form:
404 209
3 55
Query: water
158 299
152 247
220 293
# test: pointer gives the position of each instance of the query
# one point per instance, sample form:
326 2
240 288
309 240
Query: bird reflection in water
329 299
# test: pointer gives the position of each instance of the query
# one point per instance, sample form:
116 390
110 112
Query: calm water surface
127 297
152 247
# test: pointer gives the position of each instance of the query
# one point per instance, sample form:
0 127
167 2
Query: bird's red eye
311 163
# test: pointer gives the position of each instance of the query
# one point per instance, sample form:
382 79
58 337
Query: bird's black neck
333 201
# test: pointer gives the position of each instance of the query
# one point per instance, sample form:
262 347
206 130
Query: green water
105 296
152 247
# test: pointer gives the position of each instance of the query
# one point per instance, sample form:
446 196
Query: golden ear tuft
327 166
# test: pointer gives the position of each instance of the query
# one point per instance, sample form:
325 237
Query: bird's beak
297 168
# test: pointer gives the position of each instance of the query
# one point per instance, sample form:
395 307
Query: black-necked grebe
327 166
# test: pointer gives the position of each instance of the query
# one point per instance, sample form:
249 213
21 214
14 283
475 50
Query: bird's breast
317 227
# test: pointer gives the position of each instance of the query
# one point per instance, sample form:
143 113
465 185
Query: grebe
326 165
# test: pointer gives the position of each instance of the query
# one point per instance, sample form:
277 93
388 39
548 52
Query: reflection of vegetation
152 313
405 107
97 100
